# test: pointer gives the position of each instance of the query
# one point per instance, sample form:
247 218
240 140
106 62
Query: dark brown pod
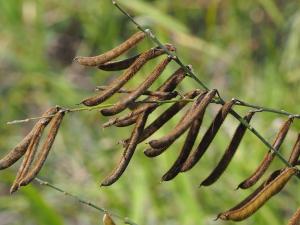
264 165
209 135
128 152
121 105
168 86
180 127
126 76
197 109
21 148
147 92
41 158
166 116
295 152
114 53
186 149
255 201
229 152
295 220
118 65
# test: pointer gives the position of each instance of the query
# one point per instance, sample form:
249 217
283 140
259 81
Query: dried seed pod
114 53
185 151
209 135
126 76
295 220
21 148
150 93
295 152
259 199
261 169
167 115
128 153
118 65
153 152
27 161
229 152
197 109
169 85
121 105
107 220
41 158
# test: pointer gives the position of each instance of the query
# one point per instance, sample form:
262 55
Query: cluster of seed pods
28 147
190 121
139 112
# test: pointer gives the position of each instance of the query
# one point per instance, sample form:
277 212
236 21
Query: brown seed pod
169 85
259 199
121 105
209 135
150 93
167 115
153 152
185 151
114 53
261 169
295 152
128 152
21 148
295 220
196 110
126 76
229 152
107 220
41 158
118 65
27 161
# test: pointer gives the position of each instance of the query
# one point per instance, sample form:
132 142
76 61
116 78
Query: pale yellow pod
107 220
295 220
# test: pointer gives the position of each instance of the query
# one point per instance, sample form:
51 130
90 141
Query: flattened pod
295 220
126 76
28 158
229 153
121 105
166 116
197 108
128 153
21 148
114 53
151 93
107 220
185 151
209 135
258 200
295 152
118 65
261 169
169 85
55 124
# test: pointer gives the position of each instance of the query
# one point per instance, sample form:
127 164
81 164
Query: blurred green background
246 49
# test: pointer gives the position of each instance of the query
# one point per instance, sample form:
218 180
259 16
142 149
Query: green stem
82 201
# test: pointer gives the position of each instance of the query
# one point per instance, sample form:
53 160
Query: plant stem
82 201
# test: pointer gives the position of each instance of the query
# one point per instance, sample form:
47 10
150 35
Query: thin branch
221 101
84 202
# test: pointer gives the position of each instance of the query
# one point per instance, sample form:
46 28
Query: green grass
245 49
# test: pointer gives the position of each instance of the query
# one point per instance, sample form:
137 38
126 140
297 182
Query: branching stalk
220 100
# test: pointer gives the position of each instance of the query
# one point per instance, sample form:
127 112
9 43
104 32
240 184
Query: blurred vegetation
246 49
